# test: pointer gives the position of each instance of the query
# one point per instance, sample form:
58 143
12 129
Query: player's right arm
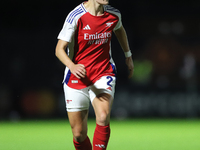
77 69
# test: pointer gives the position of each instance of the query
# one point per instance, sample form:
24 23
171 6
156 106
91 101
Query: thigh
105 84
102 105
102 95
78 123
75 99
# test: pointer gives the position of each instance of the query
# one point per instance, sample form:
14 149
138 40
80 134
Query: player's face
103 2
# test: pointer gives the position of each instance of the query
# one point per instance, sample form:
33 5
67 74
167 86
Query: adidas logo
87 27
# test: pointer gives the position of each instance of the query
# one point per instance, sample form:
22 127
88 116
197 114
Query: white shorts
79 99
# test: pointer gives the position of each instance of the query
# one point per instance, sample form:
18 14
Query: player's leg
102 106
77 104
102 94
78 122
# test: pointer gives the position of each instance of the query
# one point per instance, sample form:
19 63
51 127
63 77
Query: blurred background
164 37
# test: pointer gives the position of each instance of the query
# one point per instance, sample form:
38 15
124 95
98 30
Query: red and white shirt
89 40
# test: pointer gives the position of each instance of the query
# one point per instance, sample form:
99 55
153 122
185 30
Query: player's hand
130 65
78 70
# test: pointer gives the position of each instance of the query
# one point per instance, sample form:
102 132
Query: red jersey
89 40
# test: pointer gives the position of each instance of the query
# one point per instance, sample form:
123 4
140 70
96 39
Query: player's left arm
123 40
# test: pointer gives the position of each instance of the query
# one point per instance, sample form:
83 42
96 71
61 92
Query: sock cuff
103 129
77 143
85 145
87 138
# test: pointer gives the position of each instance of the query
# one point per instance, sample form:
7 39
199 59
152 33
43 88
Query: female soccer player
90 70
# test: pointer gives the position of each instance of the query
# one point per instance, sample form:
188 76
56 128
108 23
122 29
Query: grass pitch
145 134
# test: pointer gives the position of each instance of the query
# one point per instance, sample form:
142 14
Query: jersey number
110 80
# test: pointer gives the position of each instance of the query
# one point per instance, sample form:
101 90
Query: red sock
85 145
101 137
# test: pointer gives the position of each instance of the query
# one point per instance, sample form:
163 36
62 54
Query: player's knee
103 118
79 136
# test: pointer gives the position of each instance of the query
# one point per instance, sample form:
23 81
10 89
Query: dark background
164 37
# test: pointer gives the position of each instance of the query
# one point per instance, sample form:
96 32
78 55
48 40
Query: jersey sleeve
115 11
70 24
119 24
68 30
